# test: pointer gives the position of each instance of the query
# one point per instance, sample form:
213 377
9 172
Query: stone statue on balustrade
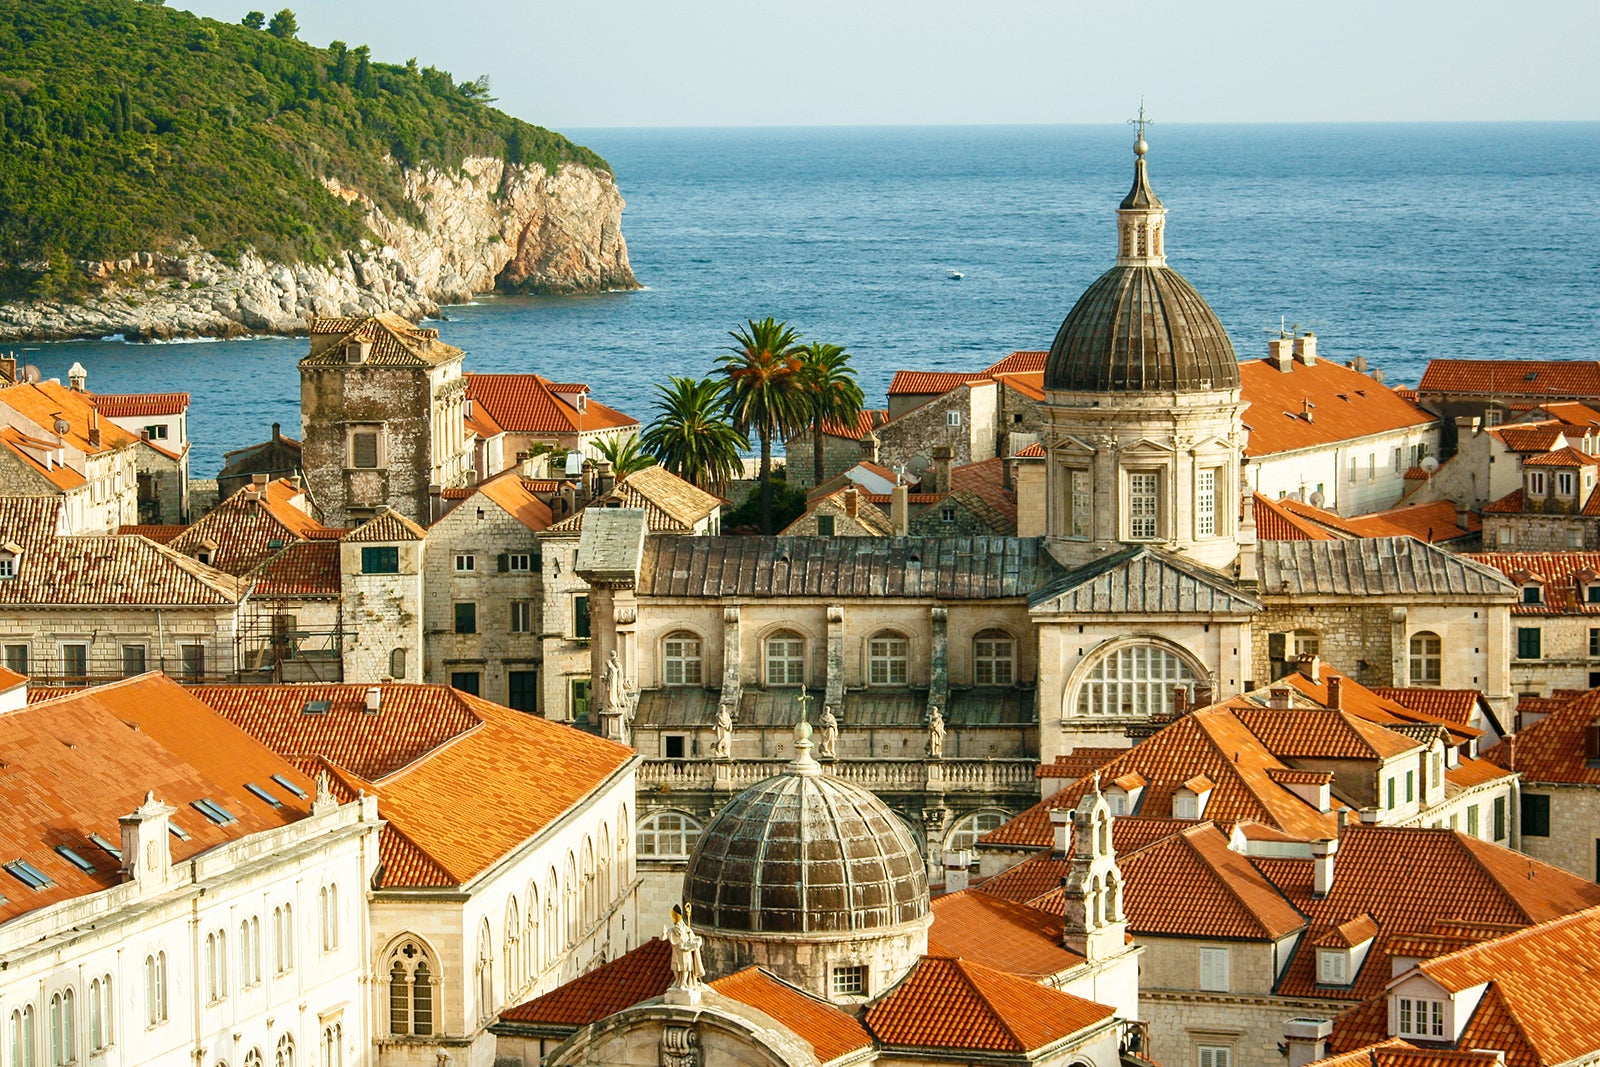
828 749
612 683
722 743
935 734
687 969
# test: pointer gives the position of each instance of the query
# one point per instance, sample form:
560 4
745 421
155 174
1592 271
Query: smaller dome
804 852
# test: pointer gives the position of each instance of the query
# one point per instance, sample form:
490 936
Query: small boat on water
955 276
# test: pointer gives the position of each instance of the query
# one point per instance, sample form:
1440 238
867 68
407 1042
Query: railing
885 775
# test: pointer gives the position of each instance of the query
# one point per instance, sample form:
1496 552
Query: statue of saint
687 970
935 734
830 734
722 745
611 679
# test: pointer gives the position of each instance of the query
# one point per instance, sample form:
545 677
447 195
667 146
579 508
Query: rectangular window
1594 643
1144 505
1388 786
1411 786
466 681
132 660
381 559
1532 594
1397 469
1352 470
364 448
75 662
466 563
825 526
1205 503
1527 642
674 746
1472 820
1214 970
1215 1056
1536 483
522 690
194 662
1331 967
1372 466
17 658
1078 482
952 418
1499 818
522 616
580 616
520 562
850 981
947 514
156 432
8 566
1564 483
1535 815
466 617
580 700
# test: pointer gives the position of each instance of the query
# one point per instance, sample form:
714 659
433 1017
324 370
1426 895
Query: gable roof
1379 566
45 403
1276 521
830 1031
386 527
1563 589
1346 405
1512 377
1191 884
1142 580
1000 933
1530 437
533 404
873 518
640 974
929 382
1555 748
1455 706
986 479
1029 383
670 504
249 527
950 1003
867 420
511 493
141 405
1023 361
394 341
304 568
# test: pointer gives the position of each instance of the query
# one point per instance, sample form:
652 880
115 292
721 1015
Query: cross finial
805 698
1139 146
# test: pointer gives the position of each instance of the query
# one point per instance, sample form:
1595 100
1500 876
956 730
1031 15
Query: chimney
588 481
1307 1040
1463 514
852 501
869 447
900 508
94 428
146 850
259 481
956 873
942 455
435 502
77 376
277 433
1061 822
1202 696
1278 697
1322 853
1180 701
1280 351
1310 666
569 499
1306 409
374 699
603 477
1335 692
1305 349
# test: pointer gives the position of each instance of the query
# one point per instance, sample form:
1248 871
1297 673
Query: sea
1396 243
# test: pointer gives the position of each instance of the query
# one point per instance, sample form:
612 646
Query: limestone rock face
482 227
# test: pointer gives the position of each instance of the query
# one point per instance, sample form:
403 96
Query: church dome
803 852
1141 327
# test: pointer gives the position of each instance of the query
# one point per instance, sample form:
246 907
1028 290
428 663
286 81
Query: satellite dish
1317 499
30 373
1429 464
574 463
62 426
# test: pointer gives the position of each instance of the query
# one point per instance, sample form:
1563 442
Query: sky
584 63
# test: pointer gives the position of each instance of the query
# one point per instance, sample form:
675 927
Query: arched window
1134 680
680 659
155 988
569 899
512 948
250 951
24 1038
484 972
1427 658
252 1058
410 990
216 961
586 884
100 1012
967 829
333 1045
531 947
282 938
888 659
786 658
624 826
1113 905
397 664
328 916
668 835
994 658
63 1036
284 1057
552 920
602 873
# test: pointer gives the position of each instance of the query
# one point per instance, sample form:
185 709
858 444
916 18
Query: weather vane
1141 122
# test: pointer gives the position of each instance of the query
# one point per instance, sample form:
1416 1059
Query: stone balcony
975 775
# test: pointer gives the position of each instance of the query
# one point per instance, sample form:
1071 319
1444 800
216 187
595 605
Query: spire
803 763
1141 220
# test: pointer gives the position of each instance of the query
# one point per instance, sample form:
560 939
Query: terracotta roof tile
1026 361
831 1032
1000 933
641 974
1553 749
1276 522
512 494
1320 733
1346 405
1564 574
1395 1052
986 478
1561 457
44 403
140 405
947 1003
1357 931
304 568
1077 763
386 527
161 535
1525 437
1573 413
248 528
1512 377
1038 875
529 403
930 383
868 420
1456 706
395 342
868 514
1192 884
1433 522
43 458
1033 451
1029 383
1470 772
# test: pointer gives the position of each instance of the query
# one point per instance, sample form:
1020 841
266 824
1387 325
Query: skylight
114 851
176 831
75 859
318 707
29 875
263 794
213 811
290 786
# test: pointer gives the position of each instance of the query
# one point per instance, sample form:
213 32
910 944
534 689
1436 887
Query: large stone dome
1141 328
805 853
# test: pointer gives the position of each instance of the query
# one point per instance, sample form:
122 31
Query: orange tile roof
1276 522
1029 383
161 535
831 1032
1192 884
27 448
929 382
866 421
1036 876
1410 880
304 568
1512 377
1033 451
1000 933
10 679
43 403
386 527
1573 413
248 528
1538 437
947 1003
637 975
395 342
464 780
1554 748
77 763
1563 574
1429 523
1371 705
1346 405
513 495
140 405
1561 457
1321 733
1455 706
529 403
1395 1052
986 478
1077 763
1357 931
1470 772
1026 361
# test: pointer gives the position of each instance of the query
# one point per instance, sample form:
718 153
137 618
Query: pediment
1076 446
1147 446
1142 581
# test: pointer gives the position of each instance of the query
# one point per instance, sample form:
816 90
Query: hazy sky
829 62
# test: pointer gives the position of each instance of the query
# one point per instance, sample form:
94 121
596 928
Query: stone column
833 692
939 658
1399 649
732 657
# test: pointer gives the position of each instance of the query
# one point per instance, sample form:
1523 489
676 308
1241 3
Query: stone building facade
381 563
55 443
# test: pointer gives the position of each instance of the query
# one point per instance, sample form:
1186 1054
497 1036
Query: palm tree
691 435
765 391
831 392
624 454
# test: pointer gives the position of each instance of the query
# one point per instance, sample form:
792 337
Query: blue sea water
1394 242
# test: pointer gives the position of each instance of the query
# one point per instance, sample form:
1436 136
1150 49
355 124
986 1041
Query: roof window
29 875
111 850
262 794
75 859
290 786
177 831
318 707
213 811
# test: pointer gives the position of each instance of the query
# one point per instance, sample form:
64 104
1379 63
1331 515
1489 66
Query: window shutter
503 562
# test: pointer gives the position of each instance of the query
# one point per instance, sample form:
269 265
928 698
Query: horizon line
1063 125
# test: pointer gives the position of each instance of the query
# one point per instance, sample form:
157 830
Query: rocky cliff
483 227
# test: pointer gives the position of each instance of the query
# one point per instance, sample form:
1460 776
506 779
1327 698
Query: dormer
1588 585
1189 799
1313 787
1531 585
205 551
1342 950
357 351
10 559
1123 794
1422 1008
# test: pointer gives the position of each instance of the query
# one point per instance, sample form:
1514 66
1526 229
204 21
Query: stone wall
910 439
1565 660
162 633
397 399
1356 639
382 613
1573 843
839 454
1540 533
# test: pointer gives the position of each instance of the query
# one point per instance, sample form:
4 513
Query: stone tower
1095 924
382 412
1143 436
